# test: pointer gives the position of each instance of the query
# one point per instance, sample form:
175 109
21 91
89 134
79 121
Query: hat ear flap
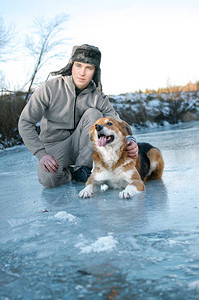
127 127
91 133
67 70
97 79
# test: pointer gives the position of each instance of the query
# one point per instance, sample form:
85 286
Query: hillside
157 109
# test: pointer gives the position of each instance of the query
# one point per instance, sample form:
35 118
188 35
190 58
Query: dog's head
108 131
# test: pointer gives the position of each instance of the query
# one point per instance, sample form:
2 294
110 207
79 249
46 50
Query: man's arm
107 109
31 115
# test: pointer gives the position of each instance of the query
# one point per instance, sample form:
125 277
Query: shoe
82 174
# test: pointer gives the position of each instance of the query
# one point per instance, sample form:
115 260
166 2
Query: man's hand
49 163
132 149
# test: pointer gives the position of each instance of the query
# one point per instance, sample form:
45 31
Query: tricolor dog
113 167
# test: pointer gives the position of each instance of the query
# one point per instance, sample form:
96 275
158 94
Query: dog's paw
128 192
104 187
87 192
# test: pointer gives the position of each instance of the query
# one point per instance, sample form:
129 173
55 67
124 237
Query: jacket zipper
74 112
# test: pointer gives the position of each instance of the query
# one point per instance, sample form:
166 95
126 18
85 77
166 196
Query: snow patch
104 187
64 216
106 243
154 103
194 285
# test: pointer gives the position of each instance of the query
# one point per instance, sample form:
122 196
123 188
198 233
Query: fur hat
86 54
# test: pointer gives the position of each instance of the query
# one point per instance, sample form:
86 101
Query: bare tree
2 81
6 38
45 44
6 48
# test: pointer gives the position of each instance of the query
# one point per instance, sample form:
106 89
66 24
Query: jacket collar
69 82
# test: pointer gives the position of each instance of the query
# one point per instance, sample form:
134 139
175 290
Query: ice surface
54 245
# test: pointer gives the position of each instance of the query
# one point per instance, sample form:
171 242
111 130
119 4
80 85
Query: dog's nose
98 127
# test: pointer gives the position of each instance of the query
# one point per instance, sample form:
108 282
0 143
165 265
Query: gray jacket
58 108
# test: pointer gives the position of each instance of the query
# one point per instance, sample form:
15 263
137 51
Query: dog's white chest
115 178
110 156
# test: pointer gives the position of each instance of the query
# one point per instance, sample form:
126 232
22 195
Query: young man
67 106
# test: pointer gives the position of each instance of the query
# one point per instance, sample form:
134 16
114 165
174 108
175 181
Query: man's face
82 74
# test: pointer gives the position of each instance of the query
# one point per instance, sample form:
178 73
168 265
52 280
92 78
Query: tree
2 81
6 47
45 45
6 38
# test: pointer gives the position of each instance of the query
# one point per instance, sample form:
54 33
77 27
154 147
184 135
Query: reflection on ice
55 245
60 196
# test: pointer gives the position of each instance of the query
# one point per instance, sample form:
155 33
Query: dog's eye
109 123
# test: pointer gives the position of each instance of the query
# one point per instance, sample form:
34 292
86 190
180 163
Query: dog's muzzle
102 138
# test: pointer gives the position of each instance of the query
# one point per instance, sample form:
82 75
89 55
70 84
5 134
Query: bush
138 117
178 108
11 106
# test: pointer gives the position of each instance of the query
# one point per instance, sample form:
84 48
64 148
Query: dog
113 167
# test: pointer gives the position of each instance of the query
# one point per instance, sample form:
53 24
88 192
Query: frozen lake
54 245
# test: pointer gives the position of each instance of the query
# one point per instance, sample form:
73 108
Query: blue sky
144 44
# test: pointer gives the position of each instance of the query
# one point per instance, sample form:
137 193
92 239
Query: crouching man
66 107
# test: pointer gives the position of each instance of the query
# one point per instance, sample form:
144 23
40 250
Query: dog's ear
127 127
91 133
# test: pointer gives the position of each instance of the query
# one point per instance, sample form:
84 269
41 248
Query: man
67 106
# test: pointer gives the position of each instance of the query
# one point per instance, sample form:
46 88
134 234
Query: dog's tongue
102 141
